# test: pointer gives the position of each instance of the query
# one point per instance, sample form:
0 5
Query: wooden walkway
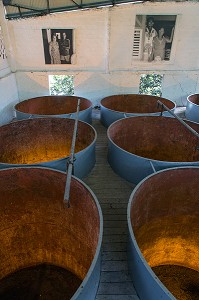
113 194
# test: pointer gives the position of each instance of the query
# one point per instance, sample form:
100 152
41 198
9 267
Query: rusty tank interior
134 103
46 249
194 98
52 105
157 138
39 140
165 220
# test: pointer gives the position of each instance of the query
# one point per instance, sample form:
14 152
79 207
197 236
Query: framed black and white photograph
153 37
58 45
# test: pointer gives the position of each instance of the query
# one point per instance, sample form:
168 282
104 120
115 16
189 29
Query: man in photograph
65 49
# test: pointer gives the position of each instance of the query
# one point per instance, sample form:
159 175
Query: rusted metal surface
47 141
131 103
42 281
54 106
136 141
35 227
119 106
156 138
183 282
194 98
163 220
192 108
180 120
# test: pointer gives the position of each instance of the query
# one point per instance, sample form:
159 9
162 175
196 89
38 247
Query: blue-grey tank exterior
89 286
192 111
146 283
134 168
109 116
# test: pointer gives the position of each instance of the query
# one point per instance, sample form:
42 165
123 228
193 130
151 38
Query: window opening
151 84
61 85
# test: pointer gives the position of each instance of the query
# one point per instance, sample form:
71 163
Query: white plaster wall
8 98
8 86
95 86
103 47
89 41
185 42
8 93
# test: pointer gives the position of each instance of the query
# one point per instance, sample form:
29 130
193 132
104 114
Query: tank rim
99 244
197 105
47 115
132 236
130 113
55 160
149 159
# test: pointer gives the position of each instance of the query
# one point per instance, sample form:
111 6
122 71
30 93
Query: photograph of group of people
158 36
58 45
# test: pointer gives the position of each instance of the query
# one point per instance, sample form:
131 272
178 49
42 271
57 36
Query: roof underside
30 8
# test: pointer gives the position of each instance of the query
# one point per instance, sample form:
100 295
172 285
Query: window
61 85
153 37
151 84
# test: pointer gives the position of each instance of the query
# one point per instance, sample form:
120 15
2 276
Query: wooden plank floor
113 194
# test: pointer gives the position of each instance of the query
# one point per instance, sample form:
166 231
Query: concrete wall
8 98
103 49
8 87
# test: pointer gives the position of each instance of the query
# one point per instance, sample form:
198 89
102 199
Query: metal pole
179 119
152 166
71 160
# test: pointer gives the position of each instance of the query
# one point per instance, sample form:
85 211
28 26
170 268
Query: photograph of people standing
158 37
153 38
58 45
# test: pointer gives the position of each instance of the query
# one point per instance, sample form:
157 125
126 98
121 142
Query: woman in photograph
54 50
150 33
159 44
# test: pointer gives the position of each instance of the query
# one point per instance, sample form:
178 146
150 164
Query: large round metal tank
116 107
137 145
163 222
48 251
54 106
192 108
47 142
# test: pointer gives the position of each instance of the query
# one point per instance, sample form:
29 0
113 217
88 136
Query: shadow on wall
174 93
178 88
32 85
7 113
95 87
